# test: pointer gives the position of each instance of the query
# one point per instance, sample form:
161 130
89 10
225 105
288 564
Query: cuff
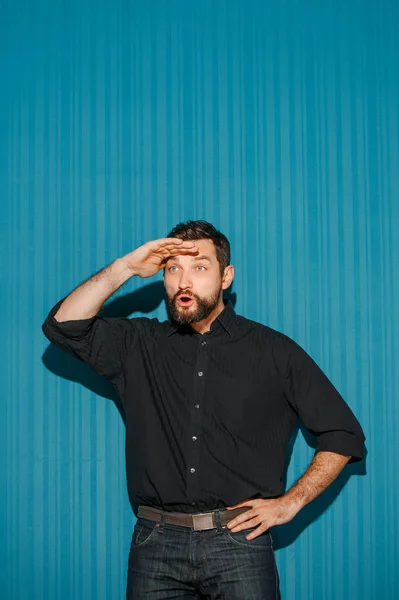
342 442
70 329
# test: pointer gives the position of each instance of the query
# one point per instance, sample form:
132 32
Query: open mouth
185 300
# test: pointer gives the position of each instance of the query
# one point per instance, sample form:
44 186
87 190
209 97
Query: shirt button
203 344
200 374
192 470
196 405
194 438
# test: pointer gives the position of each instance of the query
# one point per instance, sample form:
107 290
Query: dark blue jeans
167 562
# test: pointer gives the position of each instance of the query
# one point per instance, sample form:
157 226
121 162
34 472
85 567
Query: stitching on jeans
247 543
138 544
276 577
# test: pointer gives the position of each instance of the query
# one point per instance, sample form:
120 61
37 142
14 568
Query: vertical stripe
279 123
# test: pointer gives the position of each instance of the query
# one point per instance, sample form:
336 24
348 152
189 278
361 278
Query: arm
263 514
86 300
326 415
322 471
103 343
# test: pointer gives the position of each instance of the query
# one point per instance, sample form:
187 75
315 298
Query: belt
197 521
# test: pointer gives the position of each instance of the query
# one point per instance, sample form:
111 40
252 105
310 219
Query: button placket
195 429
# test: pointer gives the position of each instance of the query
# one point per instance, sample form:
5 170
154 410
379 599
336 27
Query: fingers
175 243
172 247
167 251
241 504
258 531
264 513
245 525
243 518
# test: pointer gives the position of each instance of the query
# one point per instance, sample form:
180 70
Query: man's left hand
262 514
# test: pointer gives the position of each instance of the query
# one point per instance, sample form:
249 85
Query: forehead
206 247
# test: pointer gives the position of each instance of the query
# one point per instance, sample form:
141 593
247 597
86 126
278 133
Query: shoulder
148 326
282 348
265 332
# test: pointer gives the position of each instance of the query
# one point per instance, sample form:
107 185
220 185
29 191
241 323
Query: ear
228 277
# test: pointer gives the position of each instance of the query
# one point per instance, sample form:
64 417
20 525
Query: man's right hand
148 259
86 300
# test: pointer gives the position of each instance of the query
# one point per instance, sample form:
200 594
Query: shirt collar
227 318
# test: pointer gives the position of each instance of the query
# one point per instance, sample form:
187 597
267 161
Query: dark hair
200 230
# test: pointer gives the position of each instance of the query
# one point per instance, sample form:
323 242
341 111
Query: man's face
193 284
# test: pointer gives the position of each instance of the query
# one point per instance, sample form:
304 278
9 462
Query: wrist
123 268
291 503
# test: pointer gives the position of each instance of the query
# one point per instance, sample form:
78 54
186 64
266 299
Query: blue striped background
276 121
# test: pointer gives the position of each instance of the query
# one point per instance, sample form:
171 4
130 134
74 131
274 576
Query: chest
222 376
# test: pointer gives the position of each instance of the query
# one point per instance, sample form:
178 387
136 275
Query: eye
173 269
201 267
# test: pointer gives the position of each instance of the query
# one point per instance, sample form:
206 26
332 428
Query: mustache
184 294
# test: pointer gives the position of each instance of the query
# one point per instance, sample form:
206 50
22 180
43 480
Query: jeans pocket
144 532
262 541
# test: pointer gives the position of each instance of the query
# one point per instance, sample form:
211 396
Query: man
211 400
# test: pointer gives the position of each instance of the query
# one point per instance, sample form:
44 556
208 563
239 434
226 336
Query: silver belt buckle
203 521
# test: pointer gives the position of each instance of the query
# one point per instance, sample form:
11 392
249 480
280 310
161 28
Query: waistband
196 521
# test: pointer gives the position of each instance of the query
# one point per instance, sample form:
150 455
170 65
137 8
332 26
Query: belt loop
162 523
218 521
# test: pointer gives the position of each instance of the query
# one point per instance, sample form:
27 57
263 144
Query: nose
185 281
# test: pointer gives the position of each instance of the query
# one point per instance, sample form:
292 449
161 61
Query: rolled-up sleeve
320 407
103 343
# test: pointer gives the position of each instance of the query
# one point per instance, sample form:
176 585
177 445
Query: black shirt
209 417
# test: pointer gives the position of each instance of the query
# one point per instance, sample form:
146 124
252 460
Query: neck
205 325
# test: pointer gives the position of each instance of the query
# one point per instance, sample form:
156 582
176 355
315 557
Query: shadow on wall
146 300
285 535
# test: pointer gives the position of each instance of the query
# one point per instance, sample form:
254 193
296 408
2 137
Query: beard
199 310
